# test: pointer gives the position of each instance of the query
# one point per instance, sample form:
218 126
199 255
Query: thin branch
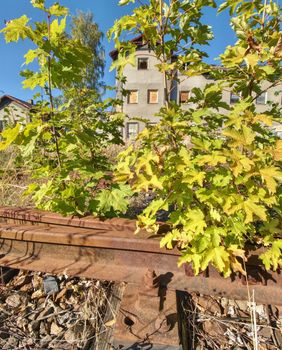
50 93
265 90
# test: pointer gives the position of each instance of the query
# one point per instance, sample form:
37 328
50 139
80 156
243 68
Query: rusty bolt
150 279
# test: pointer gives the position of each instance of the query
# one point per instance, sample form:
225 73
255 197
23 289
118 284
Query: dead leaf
110 323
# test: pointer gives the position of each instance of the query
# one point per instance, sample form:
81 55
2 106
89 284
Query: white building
145 86
13 110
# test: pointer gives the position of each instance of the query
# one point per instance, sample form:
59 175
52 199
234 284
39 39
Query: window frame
127 130
185 66
137 97
232 102
187 100
144 59
148 96
265 99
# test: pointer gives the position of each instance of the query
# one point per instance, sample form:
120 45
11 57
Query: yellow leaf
252 60
57 29
244 138
251 209
277 153
270 175
110 323
237 267
263 118
10 136
211 159
16 29
193 176
215 214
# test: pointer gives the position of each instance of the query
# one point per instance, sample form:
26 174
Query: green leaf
273 256
57 29
16 29
115 199
195 221
9 136
58 10
40 4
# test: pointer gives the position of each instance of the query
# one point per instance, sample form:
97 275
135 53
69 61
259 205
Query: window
184 96
234 98
142 63
153 96
262 99
185 66
132 96
132 130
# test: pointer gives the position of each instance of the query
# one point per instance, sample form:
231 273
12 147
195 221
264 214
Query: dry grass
112 152
13 181
223 324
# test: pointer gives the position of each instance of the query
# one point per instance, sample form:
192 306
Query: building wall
12 112
142 81
273 94
152 79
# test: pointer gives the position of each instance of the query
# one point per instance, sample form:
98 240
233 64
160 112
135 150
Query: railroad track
108 250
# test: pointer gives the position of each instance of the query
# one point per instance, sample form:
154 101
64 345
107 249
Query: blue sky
105 13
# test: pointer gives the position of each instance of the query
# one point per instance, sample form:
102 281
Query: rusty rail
108 250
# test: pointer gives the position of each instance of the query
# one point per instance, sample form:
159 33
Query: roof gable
138 41
5 99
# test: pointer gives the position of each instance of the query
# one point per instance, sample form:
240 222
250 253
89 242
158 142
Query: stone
21 281
43 329
4 335
46 312
26 287
50 285
55 329
22 322
61 294
34 326
11 343
14 300
45 341
37 294
70 336
32 316
37 282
